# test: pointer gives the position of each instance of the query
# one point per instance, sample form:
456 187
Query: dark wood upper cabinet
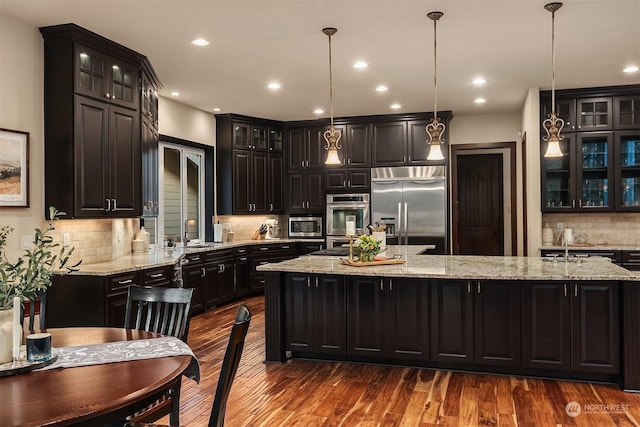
95 124
593 174
250 165
357 145
389 143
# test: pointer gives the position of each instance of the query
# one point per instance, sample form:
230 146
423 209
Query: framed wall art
14 168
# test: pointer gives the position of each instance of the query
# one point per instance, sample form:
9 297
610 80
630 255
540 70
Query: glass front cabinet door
595 171
627 144
558 181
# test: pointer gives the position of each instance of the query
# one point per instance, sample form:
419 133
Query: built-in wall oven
338 207
305 226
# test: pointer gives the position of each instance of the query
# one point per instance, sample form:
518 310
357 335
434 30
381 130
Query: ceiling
254 42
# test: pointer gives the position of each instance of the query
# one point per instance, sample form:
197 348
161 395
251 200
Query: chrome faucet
185 239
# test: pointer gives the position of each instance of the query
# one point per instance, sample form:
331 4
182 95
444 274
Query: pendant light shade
436 128
332 135
553 124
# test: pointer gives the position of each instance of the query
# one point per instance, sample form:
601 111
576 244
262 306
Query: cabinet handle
115 205
308 282
270 207
344 184
203 272
409 158
286 247
108 204
478 287
243 259
381 285
404 159
468 287
573 203
390 284
107 95
155 276
575 287
579 203
302 163
349 182
125 282
264 248
349 161
565 289
316 281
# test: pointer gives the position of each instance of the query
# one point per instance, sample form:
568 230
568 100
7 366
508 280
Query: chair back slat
155 309
230 365
39 300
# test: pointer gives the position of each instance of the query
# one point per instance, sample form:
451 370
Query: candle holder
351 247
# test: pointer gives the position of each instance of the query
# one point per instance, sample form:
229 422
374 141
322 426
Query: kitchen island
515 315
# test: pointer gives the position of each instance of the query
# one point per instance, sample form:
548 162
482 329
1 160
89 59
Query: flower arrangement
33 270
367 247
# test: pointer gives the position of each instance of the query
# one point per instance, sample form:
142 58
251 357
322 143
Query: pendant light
436 128
332 135
553 124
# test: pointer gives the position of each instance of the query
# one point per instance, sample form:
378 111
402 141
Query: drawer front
121 282
197 258
161 276
217 256
243 251
631 260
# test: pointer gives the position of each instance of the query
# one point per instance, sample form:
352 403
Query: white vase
6 336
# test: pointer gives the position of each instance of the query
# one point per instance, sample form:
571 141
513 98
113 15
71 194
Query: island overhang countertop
461 267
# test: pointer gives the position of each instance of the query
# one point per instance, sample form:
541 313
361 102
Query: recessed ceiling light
360 64
318 111
479 81
395 106
480 100
382 89
273 85
216 109
174 93
200 42
631 69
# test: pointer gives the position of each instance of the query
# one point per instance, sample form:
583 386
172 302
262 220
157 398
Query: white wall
181 121
531 127
22 108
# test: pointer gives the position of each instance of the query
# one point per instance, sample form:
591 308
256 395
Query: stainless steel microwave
305 226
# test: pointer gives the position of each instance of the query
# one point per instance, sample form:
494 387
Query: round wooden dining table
88 395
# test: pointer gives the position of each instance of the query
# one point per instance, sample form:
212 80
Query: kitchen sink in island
516 315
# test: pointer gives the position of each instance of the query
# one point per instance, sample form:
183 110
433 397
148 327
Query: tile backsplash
98 240
243 226
600 228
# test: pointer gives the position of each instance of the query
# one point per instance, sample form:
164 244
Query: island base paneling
529 328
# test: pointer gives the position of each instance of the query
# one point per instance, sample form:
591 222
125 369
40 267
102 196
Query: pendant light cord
553 63
330 84
435 71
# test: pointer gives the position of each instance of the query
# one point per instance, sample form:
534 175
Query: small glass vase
366 256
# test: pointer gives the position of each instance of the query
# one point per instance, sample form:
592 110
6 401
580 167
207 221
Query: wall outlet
66 239
560 226
26 242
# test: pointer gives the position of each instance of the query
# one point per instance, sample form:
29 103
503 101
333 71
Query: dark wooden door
259 187
366 319
123 83
315 147
546 326
125 162
296 187
211 283
241 179
91 73
359 180
260 138
480 205
315 191
192 276
336 179
276 183
418 143
330 315
149 139
92 157
498 308
296 149
408 319
389 143
298 313
358 144
595 328
594 113
242 275
452 321
241 136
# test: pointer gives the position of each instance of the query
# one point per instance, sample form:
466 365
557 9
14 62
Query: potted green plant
366 247
29 274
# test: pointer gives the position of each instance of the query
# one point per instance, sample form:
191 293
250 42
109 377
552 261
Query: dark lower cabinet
572 327
315 312
242 277
193 277
219 277
266 253
476 322
388 318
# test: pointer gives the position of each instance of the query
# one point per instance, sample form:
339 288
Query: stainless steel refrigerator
412 202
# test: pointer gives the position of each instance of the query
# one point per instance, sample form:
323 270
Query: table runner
126 351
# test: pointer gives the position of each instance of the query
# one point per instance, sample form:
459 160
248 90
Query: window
181 183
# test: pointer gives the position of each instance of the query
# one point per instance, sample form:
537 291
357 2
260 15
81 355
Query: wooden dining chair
165 311
228 370
37 306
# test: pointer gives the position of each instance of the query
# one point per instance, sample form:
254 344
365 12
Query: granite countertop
592 247
167 256
461 267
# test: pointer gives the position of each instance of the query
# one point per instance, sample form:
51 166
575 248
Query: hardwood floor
305 393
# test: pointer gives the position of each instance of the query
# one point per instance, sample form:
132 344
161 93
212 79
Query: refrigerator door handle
406 224
399 231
